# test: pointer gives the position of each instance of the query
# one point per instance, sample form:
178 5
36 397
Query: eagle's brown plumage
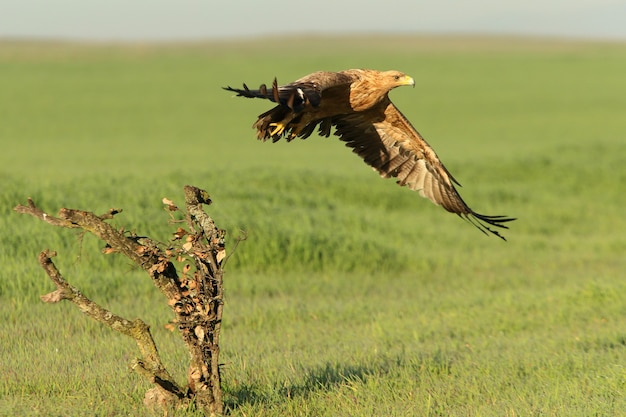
357 104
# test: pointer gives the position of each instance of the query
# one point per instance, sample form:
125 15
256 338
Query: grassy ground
351 295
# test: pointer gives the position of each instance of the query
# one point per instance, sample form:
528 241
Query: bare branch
195 296
109 214
147 256
137 329
41 215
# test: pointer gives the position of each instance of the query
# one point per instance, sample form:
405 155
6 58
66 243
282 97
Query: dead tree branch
150 366
195 296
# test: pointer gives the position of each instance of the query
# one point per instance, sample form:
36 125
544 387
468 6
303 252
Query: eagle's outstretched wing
387 141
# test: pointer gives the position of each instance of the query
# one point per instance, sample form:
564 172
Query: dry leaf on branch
199 331
221 254
170 204
195 374
53 297
179 233
161 266
109 250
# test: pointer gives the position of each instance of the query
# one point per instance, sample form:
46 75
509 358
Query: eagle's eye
396 77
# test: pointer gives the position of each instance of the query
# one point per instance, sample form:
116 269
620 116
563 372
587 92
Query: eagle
356 103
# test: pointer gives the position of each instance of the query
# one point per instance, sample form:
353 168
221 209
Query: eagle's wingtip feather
482 221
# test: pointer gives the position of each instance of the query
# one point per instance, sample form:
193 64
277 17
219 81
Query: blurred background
350 295
196 19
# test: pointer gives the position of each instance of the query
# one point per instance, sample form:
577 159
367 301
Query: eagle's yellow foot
279 128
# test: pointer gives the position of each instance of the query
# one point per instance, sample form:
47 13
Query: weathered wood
208 253
152 366
195 296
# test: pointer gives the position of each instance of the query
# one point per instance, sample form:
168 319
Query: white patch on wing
418 181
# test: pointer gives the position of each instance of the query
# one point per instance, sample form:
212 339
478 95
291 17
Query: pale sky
142 20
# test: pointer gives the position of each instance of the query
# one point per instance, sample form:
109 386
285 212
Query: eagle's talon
279 128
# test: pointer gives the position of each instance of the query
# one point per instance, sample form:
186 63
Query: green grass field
351 296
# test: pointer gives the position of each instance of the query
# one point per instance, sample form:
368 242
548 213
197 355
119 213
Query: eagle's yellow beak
408 81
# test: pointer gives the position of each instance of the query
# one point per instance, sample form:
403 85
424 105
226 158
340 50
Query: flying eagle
356 102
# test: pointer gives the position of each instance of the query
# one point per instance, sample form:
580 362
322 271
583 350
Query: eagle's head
395 79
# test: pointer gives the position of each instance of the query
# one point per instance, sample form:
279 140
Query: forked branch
195 295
